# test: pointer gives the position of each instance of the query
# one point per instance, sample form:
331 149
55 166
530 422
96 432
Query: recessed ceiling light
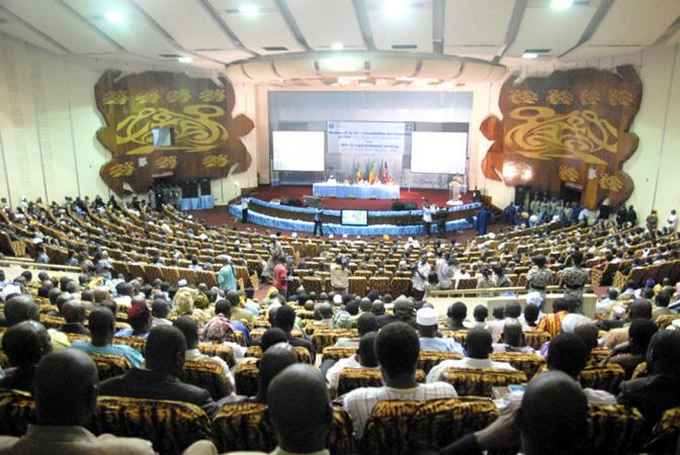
185 60
530 55
396 8
249 9
115 17
337 46
560 5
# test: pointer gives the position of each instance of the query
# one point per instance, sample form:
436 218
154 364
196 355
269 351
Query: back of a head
378 308
73 311
367 350
272 336
641 309
365 304
554 415
613 294
457 311
274 360
285 318
567 353
513 310
326 310
640 333
531 313
588 333
663 354
20 308
366 323
26 343
160 308
663 298
165 348
223 307
512 333
233 297
299 409
353 307
539 260
65 388
101 323
189 328
480 313
397 348
478 343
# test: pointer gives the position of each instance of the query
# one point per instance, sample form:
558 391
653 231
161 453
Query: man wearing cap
426 320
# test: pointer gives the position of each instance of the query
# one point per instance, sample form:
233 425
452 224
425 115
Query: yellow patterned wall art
206 136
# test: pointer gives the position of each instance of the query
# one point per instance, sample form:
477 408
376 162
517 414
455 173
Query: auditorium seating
480 382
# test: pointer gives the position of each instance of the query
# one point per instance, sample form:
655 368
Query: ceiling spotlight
249 9
560 5
337 46
396 8
530 55
115 17
185 60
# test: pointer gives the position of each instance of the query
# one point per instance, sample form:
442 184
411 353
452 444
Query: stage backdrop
367 132
569 128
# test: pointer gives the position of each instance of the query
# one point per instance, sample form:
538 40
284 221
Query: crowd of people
174 318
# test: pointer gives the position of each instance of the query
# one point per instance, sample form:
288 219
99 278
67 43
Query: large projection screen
299 150
438 153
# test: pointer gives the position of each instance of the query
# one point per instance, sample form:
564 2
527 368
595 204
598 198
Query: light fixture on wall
337 46
530 55
560 5
185 60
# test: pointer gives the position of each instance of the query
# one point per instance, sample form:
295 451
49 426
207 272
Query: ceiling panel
296 68
14 27
542 27
60 24
225 55
635 22
267 28
476 26
133 32
188 22
323 23
414 27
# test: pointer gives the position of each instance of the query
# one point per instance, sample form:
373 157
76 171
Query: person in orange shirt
552 322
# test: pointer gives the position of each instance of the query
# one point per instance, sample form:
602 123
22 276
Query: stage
268 193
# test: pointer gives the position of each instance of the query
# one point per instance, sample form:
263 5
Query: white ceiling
216 33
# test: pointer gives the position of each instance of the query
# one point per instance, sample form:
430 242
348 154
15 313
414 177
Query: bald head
554 415
299 409
274 360
26 343
65 388
588 334
21 308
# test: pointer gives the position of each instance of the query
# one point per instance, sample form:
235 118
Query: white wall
48 121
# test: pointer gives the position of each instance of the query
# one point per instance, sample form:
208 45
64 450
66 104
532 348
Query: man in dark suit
164 353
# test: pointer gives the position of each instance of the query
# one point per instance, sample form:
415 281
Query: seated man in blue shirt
102 323
426 320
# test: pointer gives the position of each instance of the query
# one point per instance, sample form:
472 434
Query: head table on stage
356 191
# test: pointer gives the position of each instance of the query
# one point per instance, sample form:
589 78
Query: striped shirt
359 403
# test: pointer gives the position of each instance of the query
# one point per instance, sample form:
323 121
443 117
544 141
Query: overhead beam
292 24
513 28
592 26
225 28
35 30
438 22
361 11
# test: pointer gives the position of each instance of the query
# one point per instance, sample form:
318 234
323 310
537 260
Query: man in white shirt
672 222
426 320
397 349
427 218
364 358
420 276
478 346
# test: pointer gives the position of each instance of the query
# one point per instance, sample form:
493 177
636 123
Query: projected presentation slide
438 153
299 150
355 217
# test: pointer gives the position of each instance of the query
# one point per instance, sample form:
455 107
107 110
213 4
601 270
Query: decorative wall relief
207 137
569 127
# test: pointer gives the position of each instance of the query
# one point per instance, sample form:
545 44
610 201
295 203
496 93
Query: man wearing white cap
426 319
